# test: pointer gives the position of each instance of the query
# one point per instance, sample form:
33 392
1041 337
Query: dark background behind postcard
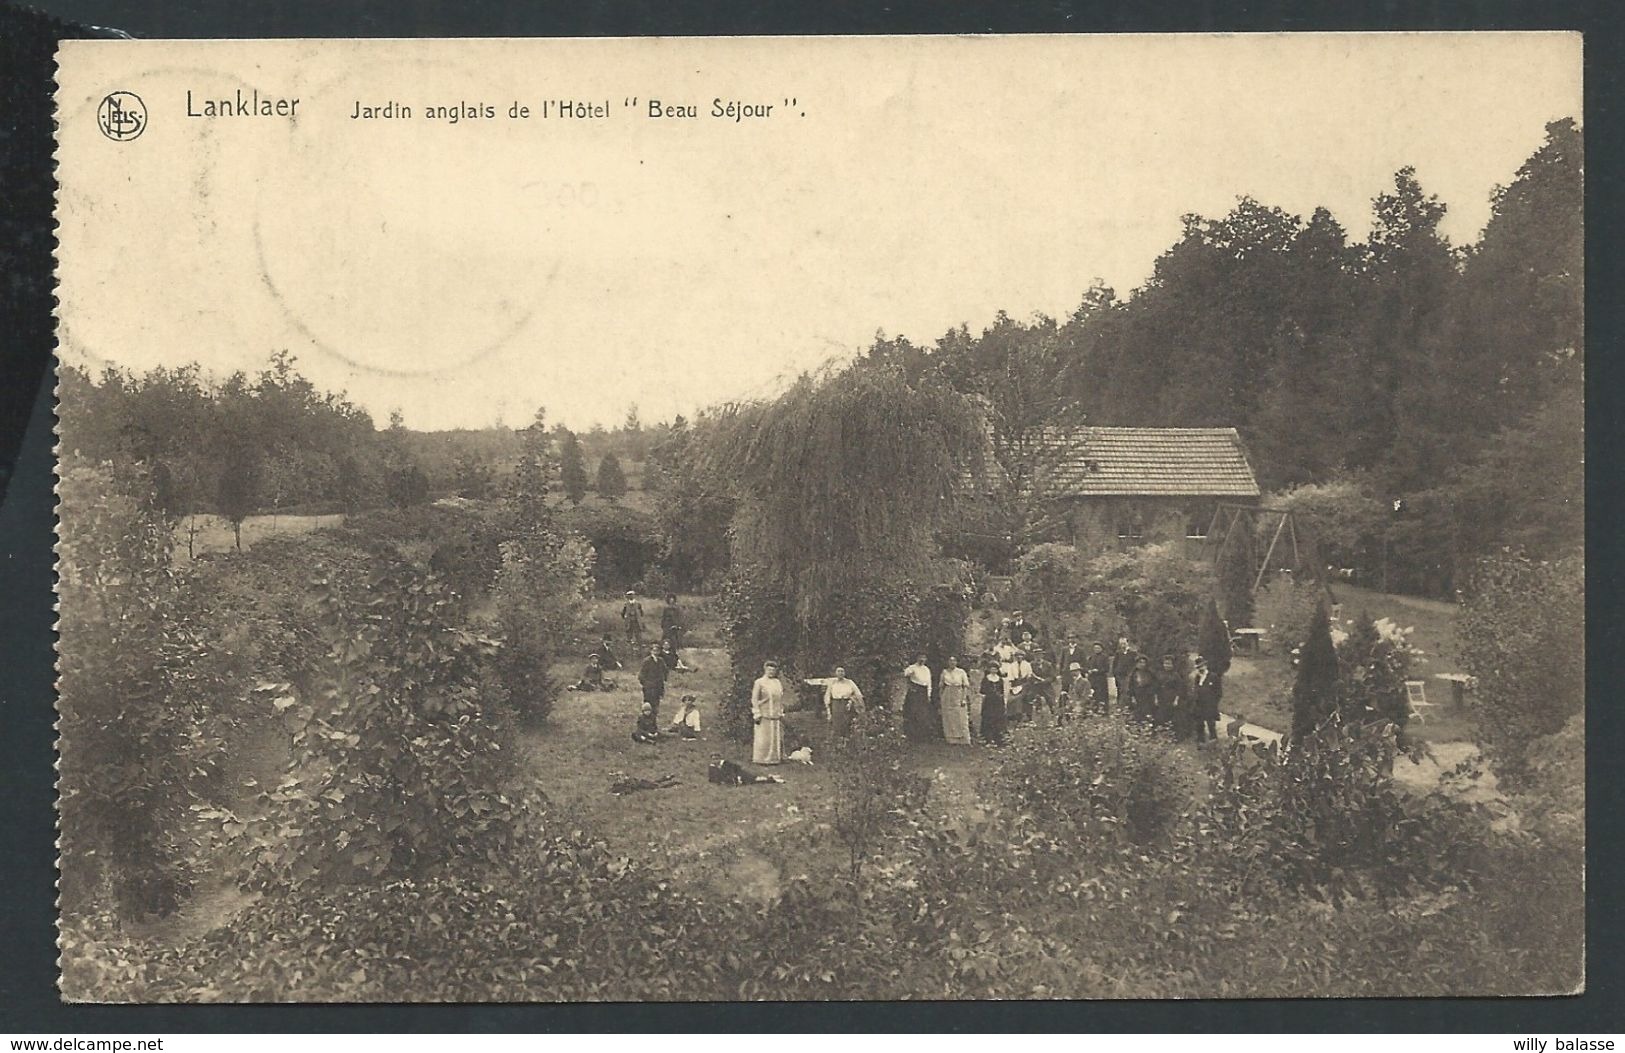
28 1000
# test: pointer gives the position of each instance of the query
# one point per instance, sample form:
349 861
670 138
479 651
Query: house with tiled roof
1114 487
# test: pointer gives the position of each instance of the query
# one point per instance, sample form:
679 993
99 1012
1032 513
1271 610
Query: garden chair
1416 693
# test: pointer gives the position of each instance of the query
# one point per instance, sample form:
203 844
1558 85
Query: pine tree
611 480
572 469
1236 572
1314 694
531 516
1213 640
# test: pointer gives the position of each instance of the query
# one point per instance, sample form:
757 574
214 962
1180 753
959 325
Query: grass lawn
744 839
1261 686
214 533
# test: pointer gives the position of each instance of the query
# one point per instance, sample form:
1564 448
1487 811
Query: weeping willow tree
843 483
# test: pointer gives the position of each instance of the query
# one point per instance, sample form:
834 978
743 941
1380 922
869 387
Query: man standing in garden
1071 654
1124 661
1100 674
652 675
1021 628
632 619
1206 692
671 622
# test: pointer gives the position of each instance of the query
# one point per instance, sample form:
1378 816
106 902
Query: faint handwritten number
122 116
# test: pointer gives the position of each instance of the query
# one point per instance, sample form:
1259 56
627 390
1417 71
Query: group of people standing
1018 679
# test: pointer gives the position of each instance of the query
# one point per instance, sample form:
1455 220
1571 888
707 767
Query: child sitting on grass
646 730
686 722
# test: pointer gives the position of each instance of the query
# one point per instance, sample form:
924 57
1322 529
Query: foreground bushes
138 683
1020 896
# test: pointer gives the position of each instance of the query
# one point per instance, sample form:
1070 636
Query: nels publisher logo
122 116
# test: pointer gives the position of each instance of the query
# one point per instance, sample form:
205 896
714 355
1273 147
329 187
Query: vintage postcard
821 518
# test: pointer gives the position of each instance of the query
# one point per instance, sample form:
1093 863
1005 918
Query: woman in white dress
842 701
954 701
767 711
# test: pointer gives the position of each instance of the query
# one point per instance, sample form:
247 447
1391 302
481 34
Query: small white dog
804 755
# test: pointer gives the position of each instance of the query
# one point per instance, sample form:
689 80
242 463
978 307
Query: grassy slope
1261 686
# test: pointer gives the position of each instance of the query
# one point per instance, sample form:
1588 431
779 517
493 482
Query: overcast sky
468 274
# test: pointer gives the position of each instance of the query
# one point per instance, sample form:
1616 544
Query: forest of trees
1446 380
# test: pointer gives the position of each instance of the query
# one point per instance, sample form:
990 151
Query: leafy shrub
1237 569
656 581
1051 577
1099 778
137 724
626 542
872 788
1285 607
398 759
1374 659
461 543
1213 640
537 600
1156 592
1522 633
1324 818
1316 687
1342 516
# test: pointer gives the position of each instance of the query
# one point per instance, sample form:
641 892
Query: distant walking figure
767 713
955 703
1173 699
632 619
1124 659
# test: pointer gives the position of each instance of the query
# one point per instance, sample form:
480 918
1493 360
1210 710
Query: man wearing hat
1207 690
1072 661
632 619
1020 627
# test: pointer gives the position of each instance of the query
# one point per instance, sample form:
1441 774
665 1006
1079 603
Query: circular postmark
122 116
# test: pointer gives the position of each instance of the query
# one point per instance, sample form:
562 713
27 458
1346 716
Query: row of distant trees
1432 392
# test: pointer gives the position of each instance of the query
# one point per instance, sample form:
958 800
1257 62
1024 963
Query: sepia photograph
821 518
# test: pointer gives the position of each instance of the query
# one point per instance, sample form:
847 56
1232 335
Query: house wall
1095 523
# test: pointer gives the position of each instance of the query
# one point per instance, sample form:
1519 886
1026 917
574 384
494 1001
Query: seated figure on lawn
593 678
686 721
646 729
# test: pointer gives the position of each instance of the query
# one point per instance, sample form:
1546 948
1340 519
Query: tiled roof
1142 462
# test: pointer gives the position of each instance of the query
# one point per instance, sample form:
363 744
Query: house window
1201 517
1130 525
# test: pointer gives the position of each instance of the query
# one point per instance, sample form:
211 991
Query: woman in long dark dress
1142 691
1173 702
920 721
991 688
